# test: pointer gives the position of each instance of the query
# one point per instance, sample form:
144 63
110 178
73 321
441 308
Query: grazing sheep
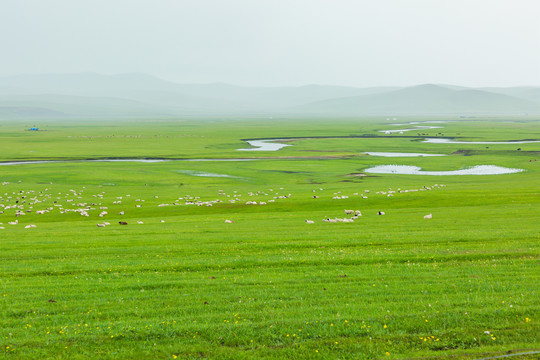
100 225
122 223
228 221
428 216
349 212
357 213
140 222
310 222
381 213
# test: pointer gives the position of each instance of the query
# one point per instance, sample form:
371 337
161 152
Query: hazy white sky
278 42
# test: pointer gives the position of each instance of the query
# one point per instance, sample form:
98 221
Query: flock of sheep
355 214
28 202
22 203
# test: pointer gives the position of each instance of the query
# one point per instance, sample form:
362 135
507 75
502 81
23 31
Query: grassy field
185 284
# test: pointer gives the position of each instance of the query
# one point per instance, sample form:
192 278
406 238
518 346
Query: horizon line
259 86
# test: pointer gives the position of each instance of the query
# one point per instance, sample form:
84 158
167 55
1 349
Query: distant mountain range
91 95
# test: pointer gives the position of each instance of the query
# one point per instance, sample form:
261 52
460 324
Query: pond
415 170
420 122
264 145
204 174
449 141
399 154
415 128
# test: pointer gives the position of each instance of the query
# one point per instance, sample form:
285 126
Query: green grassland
185 284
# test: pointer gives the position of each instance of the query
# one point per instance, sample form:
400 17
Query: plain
179 282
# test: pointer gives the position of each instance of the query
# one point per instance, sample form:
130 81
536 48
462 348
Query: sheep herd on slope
18 204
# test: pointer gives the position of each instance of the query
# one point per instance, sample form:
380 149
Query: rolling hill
425 100
140 95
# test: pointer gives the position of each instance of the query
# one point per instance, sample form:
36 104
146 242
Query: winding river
270 145
449 141
273 145
24 162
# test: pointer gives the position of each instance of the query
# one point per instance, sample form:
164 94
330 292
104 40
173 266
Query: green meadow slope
179 282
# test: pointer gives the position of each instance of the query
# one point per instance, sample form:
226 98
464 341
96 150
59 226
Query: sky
360 43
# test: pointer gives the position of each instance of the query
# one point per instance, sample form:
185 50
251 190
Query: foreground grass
461 285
